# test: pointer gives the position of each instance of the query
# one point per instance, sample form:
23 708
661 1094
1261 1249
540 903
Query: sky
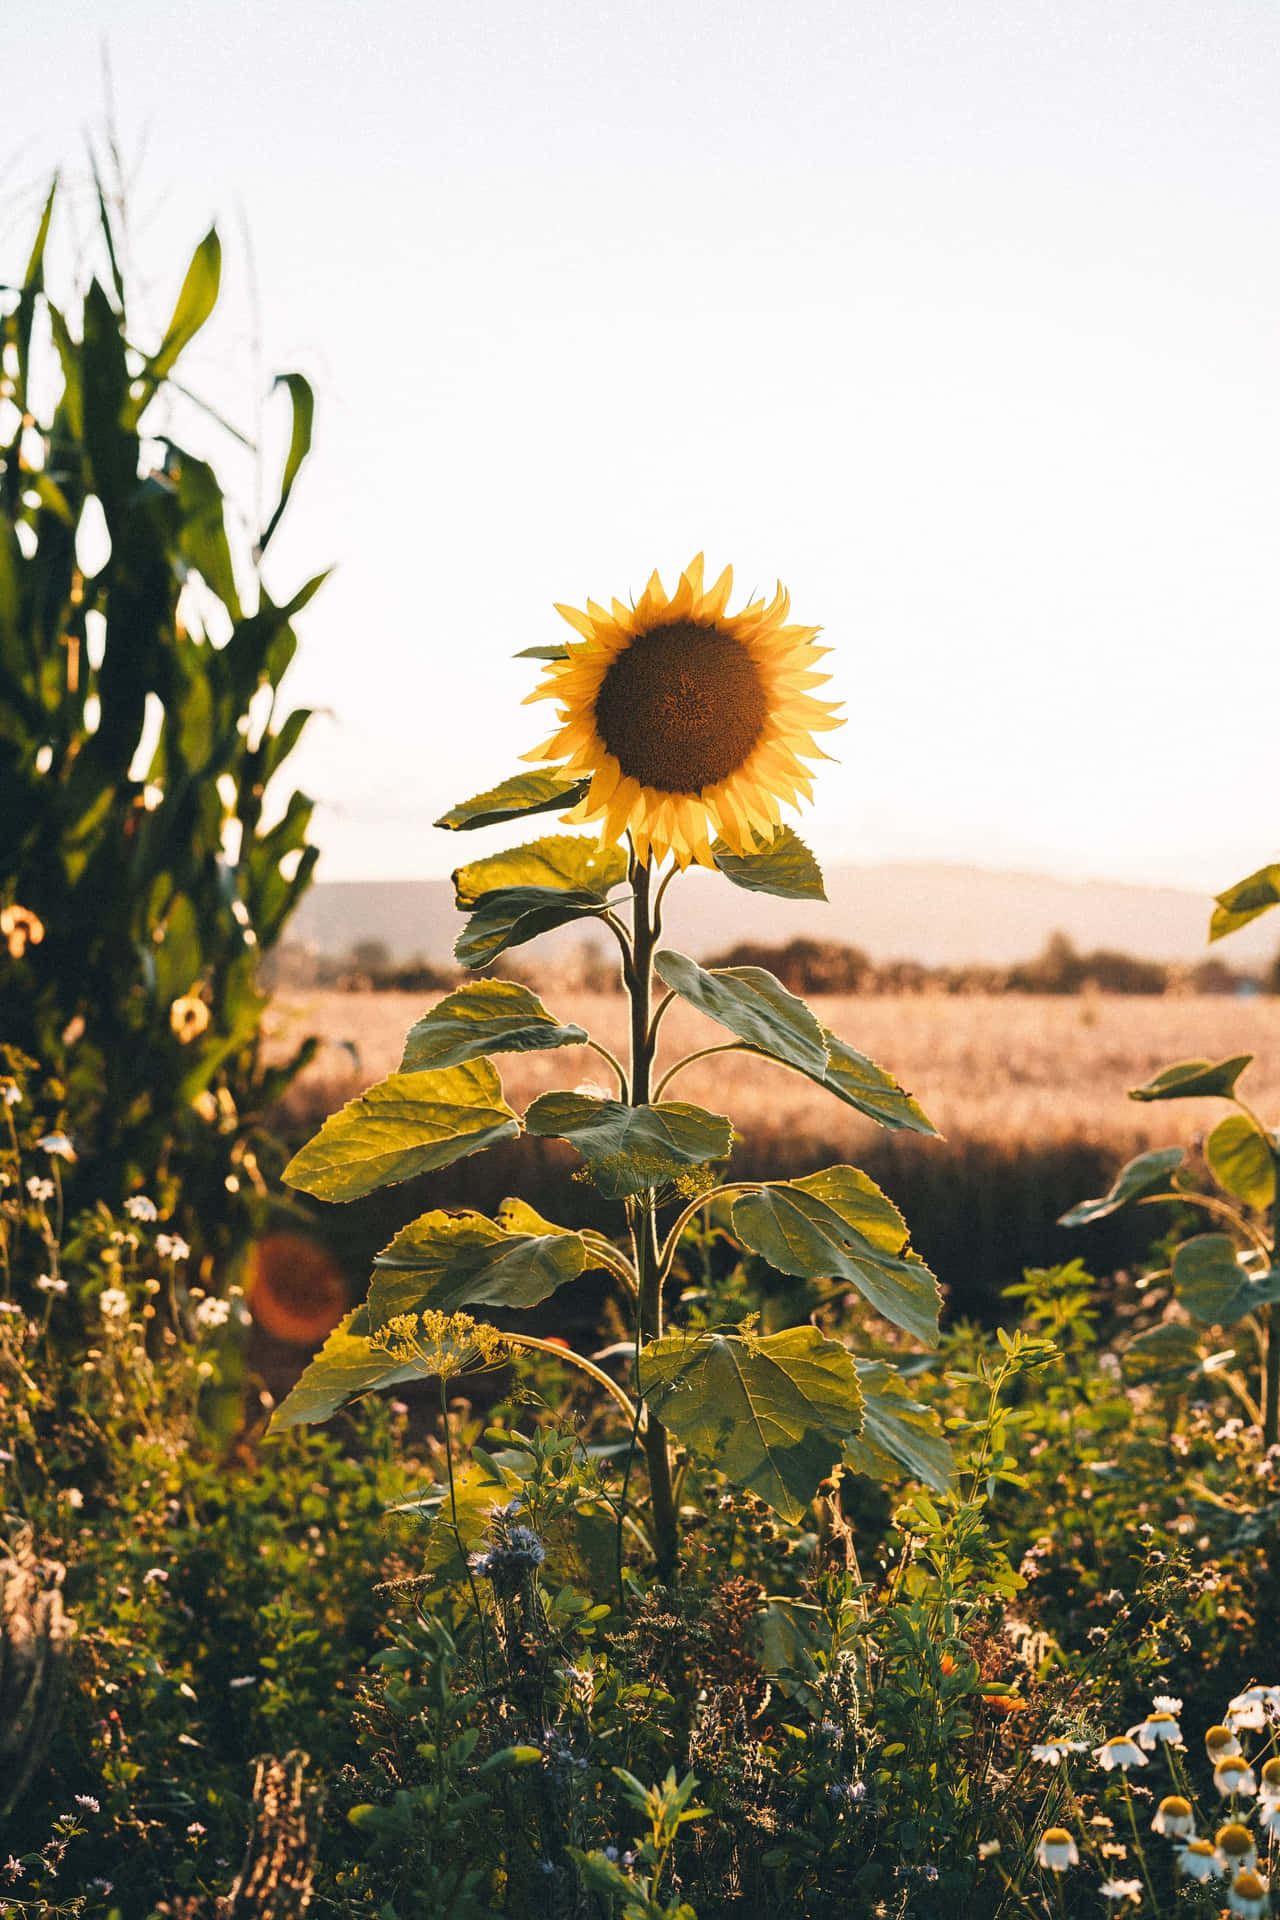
961 321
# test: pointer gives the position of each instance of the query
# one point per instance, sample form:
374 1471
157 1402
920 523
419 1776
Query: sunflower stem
648 1259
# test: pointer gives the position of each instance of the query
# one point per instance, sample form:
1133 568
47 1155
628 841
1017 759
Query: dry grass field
1016 1069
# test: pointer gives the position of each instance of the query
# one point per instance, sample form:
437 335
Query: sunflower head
688 720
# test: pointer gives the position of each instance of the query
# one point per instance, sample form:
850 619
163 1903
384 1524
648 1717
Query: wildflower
1048 1752
1157 1727
213 1313
12 1095
9 1306
87 1801
687 721
46 1283
1269 1815
1269 1787
1174 1818
113 1303
58 1147
195 1829
1234 1775
74 1498
1165 1703
6 1458
188 1017
1235 1847
986 1848
40 1190
13 1868
1252 1709
138 1207
1220 1743
1121 1890
1119 1751
171 1246
20 928
245 1680
446 1343
153 1574
1250 1895
1056 1850
1198 1859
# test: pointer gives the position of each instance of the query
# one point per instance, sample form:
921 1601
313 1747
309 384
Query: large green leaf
1245 901
195 303
350 1363
628 1149
897 1431
752 1004
838 1225
784 867
860 1083
1242 1160
1213 1286
573 862
486 1016
515 799
1195 1080
511 916
1143 1175
406 1125
771 1415
445 1261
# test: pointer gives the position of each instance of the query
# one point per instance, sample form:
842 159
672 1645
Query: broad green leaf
784 867
1195 1080
771 1415
860 1083
1245 901
444 1261
1172 1348
195 303
1143 1175
514 799
573 862
461 1515
406 1125
1209 1280
897 1431
350 1363
488 1016
752 1004
1240 1155
511 916
628 1149
837 1225
517 1216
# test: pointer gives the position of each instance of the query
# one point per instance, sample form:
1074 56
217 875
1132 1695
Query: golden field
1014 1069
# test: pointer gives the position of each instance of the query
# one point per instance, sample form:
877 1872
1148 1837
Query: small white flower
213 1313
1120 1751
12 1096
113 1303
1221 1744
195 1830
1174 1818
986 1848
1047 1752
1234 1775
74 1498
87 1801
6 1458
9 1306
45 1283
138 1207
1166 1703
1056 1850
1157 1727
40 1189
245 1680
1269 1815
170 1246
152 1574
1236 1849
1252 1709
1198 1859
57 1146
1121 1890
1250 1895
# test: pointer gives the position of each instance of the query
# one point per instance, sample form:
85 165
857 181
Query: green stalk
1271 1382
648 1258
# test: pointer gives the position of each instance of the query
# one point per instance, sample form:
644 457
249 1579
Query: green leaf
406 1125
542 653
445 1261
304 408
1195 1080
195 303
1209 1280
572 862
1171 1349
784 867
897 1431
488 1016
514 799
511 916
1240 1155
838 1225
772 1415
517 1216
628 1149
1143 1175
1245 901
860 1083
752 1004
350 1363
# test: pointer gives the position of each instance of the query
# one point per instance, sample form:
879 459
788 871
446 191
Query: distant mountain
938 914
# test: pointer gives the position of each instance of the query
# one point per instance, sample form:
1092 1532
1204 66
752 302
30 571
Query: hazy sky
964 321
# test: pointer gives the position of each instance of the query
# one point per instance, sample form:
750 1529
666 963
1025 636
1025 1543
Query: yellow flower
188 1016
1235 1847
19 927
688 720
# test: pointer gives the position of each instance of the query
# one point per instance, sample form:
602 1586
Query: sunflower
690 721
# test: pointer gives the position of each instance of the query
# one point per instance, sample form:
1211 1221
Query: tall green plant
773 1413
140 727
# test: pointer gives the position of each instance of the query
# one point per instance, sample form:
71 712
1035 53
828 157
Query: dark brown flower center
682 708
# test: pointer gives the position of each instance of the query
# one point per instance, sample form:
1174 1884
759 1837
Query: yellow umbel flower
689 720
